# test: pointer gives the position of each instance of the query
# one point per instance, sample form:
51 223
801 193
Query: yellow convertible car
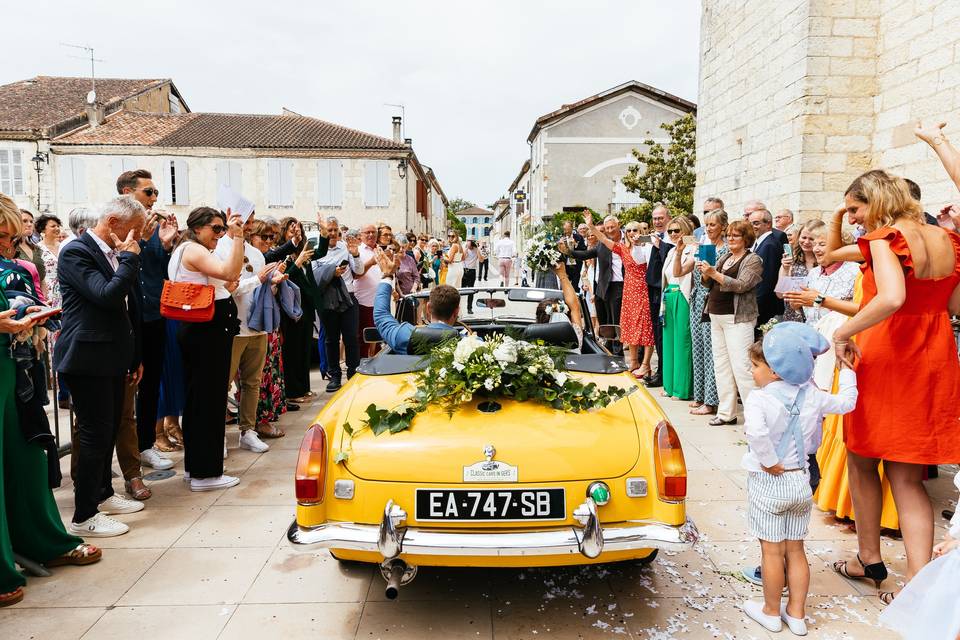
498 483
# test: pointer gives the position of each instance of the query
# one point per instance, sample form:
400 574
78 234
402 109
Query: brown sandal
267 430
704 410
12 597
78 556
136 489
174 435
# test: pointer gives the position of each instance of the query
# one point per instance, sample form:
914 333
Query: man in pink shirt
366 283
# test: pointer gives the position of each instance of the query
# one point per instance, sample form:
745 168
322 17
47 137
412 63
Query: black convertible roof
388 364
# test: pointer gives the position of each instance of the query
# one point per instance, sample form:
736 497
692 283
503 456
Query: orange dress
909 376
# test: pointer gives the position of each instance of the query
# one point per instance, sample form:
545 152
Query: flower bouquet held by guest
732 306
782 419
911 285
30 524
206 346
677 367
705 399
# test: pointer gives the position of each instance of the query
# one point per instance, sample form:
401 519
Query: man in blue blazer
98 350
769 246
444 307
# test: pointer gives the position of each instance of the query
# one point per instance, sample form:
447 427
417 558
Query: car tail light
671 468
312 466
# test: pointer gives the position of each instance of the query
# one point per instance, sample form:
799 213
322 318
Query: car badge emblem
490 470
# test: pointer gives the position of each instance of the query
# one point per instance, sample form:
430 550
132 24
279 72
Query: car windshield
509 306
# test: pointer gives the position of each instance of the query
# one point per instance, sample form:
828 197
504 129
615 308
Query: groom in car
443 305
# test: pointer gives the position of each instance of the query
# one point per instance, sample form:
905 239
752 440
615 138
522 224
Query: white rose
466 347
442 373
560 377
489 384
505 352
458 366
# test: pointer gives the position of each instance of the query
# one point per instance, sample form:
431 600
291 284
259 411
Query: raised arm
836 250
569 295
932 134
685 264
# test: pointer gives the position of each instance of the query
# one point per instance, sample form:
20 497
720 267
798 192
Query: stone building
33 112
580 152
798 97
287 164
479 222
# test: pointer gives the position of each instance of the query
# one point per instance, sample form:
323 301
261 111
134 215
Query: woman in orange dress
908 373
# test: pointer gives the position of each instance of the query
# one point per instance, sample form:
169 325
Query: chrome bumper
390 538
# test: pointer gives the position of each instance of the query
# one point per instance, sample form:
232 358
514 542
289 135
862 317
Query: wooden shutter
182 178
72 180
383 178
230 174
273 182
166 187
286 183
370 183
65 179
6 171
330 183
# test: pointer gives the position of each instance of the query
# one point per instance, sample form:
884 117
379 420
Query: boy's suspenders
793 431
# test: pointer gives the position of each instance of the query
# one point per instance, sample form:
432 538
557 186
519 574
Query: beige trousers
249 355
731 364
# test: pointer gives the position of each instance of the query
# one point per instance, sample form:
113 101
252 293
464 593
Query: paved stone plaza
218 565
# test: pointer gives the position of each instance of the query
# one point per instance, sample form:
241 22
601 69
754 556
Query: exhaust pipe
397 573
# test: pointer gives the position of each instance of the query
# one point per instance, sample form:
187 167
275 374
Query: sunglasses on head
151 192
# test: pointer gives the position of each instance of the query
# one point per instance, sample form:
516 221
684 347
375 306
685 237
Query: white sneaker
153 458
798 626
754 610
186 476
212 484
116 504
99 526
250 440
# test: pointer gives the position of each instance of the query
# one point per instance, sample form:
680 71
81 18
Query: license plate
486 505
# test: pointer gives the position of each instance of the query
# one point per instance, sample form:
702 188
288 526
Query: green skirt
677 366
29 521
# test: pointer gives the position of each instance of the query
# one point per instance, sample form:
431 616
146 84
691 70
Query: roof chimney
94 114
397 136
408 142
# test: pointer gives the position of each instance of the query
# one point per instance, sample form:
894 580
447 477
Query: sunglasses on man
150 192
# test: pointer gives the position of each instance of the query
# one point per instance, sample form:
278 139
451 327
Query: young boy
784 419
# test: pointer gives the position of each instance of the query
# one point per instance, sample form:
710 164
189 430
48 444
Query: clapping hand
130 244
168 231
353 244
150 225
388 263
927 133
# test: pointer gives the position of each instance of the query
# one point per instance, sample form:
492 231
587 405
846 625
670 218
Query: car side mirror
609 331
371 335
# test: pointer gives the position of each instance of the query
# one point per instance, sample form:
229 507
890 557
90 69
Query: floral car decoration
499 366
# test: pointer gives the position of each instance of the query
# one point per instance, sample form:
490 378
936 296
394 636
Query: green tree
453 222
666 174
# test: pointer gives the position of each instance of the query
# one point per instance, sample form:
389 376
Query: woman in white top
206 346
829 278
677 366
454 260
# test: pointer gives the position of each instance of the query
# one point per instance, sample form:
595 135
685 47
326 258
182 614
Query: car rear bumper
390 539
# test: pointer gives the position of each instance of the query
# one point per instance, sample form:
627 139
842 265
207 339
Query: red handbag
187 301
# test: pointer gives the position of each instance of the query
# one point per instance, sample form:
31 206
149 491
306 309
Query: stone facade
798 97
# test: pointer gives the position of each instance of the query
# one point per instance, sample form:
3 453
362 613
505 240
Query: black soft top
388 364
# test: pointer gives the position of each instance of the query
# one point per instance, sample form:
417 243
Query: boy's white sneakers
250 440
99 526
797 625
754 610
212 484
115 505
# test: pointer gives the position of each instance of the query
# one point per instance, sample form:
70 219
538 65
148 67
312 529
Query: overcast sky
474 76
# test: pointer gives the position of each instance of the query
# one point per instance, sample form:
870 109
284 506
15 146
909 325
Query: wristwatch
818 301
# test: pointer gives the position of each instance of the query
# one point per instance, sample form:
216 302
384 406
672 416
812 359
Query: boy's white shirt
766 419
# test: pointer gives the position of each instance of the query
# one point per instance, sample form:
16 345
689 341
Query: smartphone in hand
645 239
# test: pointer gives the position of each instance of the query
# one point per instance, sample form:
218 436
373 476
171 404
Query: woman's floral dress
704 379
273 394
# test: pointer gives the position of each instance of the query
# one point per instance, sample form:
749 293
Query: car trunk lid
542 444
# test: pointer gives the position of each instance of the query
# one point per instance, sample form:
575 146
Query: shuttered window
176 182
230 174
376 183
11 172
121 164
330 183
72 180
279 182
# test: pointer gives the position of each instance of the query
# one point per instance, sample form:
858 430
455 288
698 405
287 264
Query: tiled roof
474 211
45 101
226 130
632 85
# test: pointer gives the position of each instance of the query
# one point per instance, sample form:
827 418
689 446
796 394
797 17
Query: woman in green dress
677 366
30 524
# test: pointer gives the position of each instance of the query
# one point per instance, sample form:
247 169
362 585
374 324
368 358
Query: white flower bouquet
542 253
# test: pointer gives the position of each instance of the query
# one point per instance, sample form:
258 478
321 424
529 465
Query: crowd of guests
142 385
